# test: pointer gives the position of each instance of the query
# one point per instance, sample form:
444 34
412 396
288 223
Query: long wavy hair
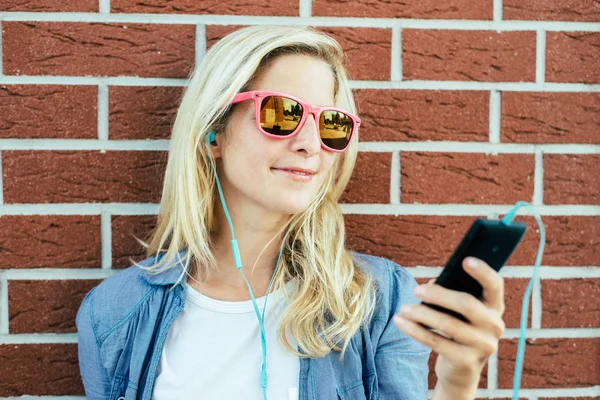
333 298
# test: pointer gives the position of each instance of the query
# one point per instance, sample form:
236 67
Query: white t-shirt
213 351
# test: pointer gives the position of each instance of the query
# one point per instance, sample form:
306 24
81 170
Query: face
252 165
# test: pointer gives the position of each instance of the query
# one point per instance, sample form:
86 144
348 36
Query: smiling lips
301 174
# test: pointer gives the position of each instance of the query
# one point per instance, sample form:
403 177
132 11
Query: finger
490 280
456 329
463 303
435 342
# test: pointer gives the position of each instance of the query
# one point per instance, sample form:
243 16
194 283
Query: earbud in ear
212 138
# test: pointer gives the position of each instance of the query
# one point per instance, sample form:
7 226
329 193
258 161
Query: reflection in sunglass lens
336 128
279 115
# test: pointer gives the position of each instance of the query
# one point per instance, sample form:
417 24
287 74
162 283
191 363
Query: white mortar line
396 66
540 56
305 8
514 333
509 272
536 304
3 304
200 43
395 181
58 273
106 239
104 6
497 10
366 209
354 84
103 111
174 19
27 338
538 179
380 147
495 109
492 376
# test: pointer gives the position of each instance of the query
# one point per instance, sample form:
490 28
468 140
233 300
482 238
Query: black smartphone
488 240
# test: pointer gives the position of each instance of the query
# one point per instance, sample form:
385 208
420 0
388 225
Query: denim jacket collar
169 276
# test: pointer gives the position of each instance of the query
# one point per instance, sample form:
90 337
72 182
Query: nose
307 140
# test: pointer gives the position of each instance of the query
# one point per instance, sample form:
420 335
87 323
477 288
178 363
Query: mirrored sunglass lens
336 128
279 115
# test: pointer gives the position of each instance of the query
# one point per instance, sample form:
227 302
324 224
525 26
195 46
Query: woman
262 148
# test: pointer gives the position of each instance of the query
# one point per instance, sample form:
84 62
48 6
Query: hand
461 358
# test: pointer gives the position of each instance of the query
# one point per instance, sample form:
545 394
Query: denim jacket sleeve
401 361
95 378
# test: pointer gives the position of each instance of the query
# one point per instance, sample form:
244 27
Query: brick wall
468 107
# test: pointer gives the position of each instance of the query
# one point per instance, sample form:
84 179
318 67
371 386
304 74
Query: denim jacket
122 324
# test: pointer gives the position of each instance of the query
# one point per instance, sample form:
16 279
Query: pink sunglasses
280 115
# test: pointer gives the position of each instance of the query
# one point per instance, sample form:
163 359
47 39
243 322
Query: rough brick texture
468 55
550 117
124 244
48 306
50 5
572 178
466 178
142 112
420 115
551 363
554 10
370 183
573 57
52 241
39 370
48 111
83 176
454 9
429 240
514 290
74 48
236 7
571 303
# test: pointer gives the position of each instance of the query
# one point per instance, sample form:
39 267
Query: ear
213 145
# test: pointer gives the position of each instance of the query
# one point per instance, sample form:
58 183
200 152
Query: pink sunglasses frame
258 95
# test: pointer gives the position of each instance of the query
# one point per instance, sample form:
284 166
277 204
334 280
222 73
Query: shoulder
395 284
116 298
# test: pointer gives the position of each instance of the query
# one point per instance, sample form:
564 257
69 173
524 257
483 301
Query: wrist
448 391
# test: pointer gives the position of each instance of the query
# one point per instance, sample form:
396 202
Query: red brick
571 179
432 377
83 176
573 57
468 55
142 112
77 48
46 306
256 7
552 10
454 9
550 117
571 303
48 111
50 5
514 290
124 245
214 33
570 241
370 182
52 241
466 177
40 370
422 115
551 363
412 240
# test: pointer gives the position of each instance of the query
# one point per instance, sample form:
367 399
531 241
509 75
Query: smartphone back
488 240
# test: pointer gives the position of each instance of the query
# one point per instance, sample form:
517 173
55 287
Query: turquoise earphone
212 140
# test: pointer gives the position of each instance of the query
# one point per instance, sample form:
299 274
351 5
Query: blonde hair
332 295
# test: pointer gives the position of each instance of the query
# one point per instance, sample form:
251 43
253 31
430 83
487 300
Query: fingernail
472 263
419 290
399 320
